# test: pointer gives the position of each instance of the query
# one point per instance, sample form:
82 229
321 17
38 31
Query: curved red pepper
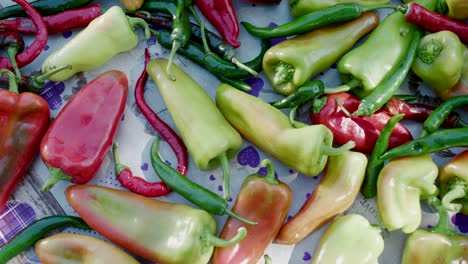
77 141
363 130
222 16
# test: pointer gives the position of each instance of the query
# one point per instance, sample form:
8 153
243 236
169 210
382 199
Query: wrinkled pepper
79 138
438 244
303 7
292 62
401 184
106 36
305 149
439 62
159 231
453 180
24 119
210 139
387 45
262 199
349 239
76 248
336 192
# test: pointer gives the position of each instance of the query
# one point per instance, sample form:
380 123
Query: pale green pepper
302 7
106 36
349 239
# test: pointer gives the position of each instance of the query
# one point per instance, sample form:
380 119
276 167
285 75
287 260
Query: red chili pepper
222 16
24 119
433 21
28 55
363 130
77 141
58 23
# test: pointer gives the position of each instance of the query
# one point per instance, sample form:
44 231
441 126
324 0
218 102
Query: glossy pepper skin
363 130
349 239
132 5
303 7
109 34
24 119
303 149
292 62
78 139
156 230
439 61
76 248
453 180
262 199
336 192
209 138
401 184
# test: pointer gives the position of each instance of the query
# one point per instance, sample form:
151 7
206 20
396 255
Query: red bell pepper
363 130
75 144
24 119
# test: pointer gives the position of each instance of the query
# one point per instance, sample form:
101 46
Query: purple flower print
249 156
461 220
275 41
256 84
51 93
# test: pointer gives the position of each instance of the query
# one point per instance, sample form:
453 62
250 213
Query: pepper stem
238 217
219 242
12 51
292 116
268 259
283 73
12 82
45 76
243 66
456 190
119 167
341 106
443 226
331 151
134 21
428 52
56 175
223 160
175 47
354 83
270 173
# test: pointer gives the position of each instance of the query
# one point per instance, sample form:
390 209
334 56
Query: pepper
87 126
305 149
292 62
437 117
453 180
335 193
350 239
35 231
76 248
58 23
35 48
210 139
44 7
266 201
401 184
439 244
193 192
132 5
182 234
457 9
304 7
24 119
13 44
363 130
106 36
306 92
33 83
222 15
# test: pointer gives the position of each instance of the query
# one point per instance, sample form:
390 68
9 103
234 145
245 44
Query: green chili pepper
437 141
388 87
306 92
314 20
304 7
165 6
440 114
44 7
36 231
369 186
193 192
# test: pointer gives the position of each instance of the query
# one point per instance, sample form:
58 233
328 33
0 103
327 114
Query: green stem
56 175
456 192
354 83
45 76
119 167
203 34
430 51
175 47
443 226
341 106
268 259
13 84
283 73
292 116
331 151
460 123
134 21
270 174
12 51
223 160
238 217
218 242
243 66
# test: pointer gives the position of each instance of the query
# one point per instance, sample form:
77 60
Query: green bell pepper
302 7
453 180
439 244
401 184
159 231
106 36
210 139
439 61
349 239
291 63
305 149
